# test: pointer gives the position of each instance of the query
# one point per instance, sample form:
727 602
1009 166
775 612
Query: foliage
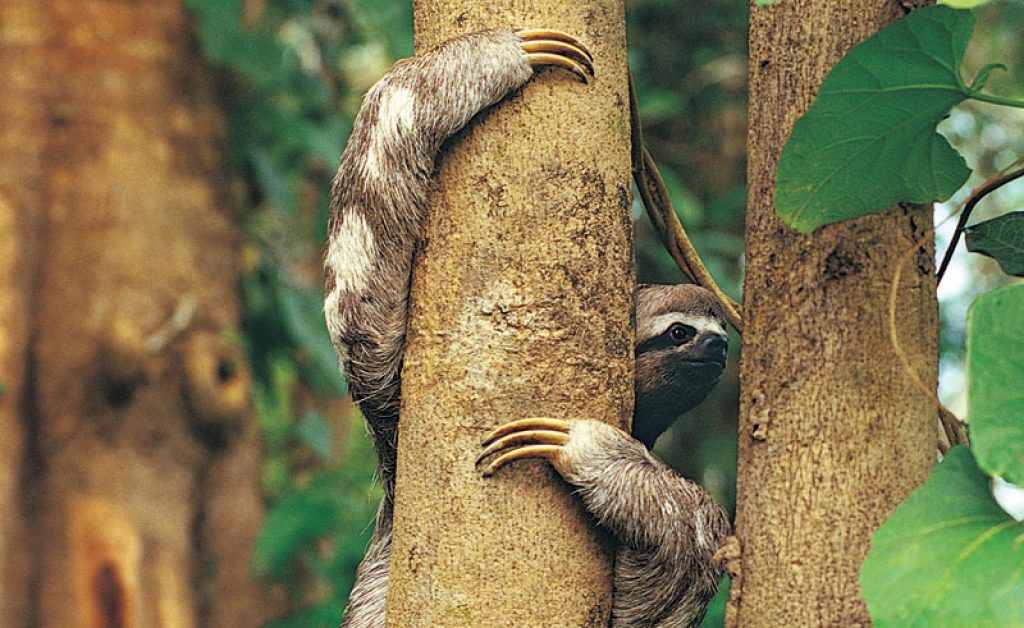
869 139
995 395
321 526
948 556
691 89
1001 238
286 133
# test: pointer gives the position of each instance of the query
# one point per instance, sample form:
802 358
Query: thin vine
954 429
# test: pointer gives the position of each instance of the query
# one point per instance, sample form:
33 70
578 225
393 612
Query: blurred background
276 84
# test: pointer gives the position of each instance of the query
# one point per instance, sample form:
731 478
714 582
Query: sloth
666 527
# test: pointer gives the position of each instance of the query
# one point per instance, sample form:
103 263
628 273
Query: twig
666 222
1005 176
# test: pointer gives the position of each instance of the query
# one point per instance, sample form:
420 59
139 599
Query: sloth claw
551 47
526 438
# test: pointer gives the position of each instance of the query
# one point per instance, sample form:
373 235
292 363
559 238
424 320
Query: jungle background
287 77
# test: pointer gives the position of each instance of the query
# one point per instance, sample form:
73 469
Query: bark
127 408
833 435
521 307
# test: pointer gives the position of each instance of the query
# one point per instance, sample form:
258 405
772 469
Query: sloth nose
714 347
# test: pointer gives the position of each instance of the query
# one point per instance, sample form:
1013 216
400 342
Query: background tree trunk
129 476
832 433
21 174
521 307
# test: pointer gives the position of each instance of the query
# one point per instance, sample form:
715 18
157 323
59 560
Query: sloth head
681 347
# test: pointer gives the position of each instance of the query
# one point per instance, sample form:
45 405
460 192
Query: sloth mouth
716 364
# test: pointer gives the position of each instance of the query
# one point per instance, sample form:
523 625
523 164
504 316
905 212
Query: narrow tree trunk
521 307
832 432
127 405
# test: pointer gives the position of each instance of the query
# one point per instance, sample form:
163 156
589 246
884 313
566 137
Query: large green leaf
869 139
948 556
1001 238
995 382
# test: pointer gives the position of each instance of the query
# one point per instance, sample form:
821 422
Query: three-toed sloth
666 527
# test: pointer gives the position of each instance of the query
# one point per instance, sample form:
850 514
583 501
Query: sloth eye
681 333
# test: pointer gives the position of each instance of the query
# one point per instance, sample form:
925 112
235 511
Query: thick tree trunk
521 307
127 420
833 435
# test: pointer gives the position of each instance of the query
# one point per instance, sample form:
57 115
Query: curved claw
548 452
580 55
543 58
545 437
534 423
526 438
528 34
551 47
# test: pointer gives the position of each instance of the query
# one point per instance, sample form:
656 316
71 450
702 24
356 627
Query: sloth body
666 527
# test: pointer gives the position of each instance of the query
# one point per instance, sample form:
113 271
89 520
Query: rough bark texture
521 307
129 471
833 435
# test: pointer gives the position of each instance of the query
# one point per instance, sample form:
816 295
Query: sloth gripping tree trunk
833 435
521 307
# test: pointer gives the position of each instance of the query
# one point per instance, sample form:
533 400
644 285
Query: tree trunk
833 435
129 489
521 307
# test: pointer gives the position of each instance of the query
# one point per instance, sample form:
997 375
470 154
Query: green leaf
995 381
948 556
869 140
1001 238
